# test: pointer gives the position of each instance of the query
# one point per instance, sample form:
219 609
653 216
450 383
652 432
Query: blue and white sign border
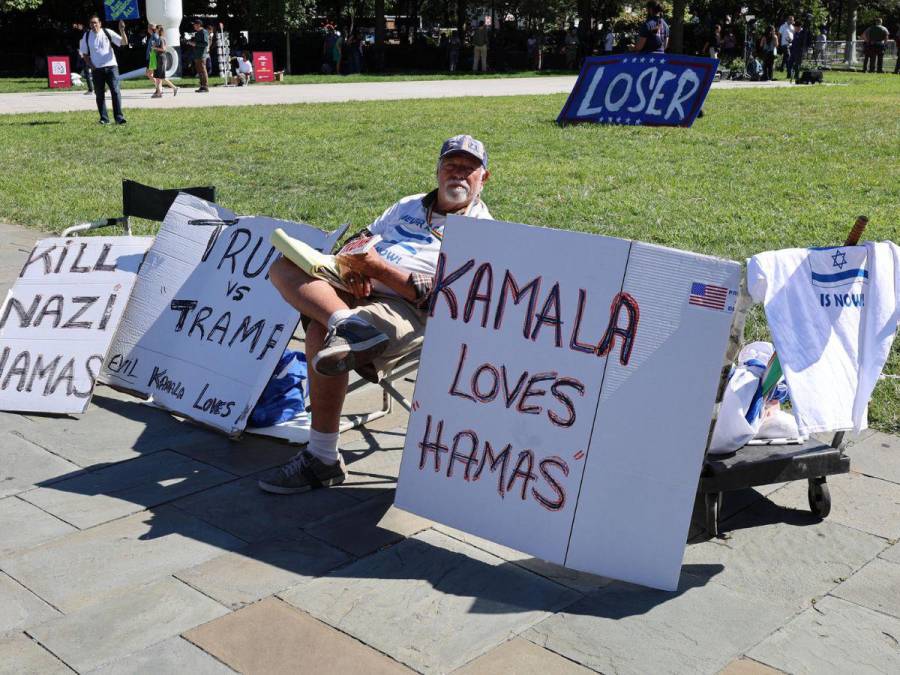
706 65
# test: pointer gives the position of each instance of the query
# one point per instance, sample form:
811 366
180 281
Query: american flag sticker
709 296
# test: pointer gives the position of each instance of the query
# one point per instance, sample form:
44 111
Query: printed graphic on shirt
843 272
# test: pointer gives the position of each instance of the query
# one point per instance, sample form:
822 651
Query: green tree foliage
19 5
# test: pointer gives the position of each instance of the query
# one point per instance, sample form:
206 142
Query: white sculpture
168 13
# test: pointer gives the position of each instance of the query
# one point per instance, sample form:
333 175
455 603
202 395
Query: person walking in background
354 53
875 38
533 47
328 49
798 48
480 44
454 46
714 44
819 48
768 48
200 44
79 64
654 32
785 37
150 55
159 73
97 52
570 47
609 39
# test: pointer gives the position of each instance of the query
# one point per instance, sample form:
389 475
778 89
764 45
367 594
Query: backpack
754 69
810 77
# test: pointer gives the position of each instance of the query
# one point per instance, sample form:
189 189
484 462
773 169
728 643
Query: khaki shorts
400 321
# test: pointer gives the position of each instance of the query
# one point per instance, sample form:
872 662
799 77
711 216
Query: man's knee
286 276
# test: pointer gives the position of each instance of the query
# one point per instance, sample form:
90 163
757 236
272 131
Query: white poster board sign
205 327
59 319
565 392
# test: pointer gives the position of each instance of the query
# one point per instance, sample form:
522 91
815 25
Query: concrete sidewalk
66 101
133 542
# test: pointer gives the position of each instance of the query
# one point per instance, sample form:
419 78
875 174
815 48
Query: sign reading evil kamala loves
205 327
117 10
640 89
60 317
565 393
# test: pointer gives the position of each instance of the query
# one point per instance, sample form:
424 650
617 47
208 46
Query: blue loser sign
121 9
636 88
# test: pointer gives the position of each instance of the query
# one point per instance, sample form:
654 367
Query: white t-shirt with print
408 240
101 51
833 313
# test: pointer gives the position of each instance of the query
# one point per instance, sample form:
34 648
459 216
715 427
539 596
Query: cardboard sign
565 393
206 327
640 89
59 319
59 72
121 10
263 68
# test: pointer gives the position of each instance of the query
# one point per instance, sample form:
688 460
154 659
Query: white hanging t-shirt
411 234
833 313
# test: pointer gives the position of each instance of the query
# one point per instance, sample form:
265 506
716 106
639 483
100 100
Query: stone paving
134 542
67 101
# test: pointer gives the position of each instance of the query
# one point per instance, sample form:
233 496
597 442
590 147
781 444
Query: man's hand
359 285
368 264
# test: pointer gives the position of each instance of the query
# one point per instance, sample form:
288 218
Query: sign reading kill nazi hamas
121 10
205 327
640 89
565 393
59 319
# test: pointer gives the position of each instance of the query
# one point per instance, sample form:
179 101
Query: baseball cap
196 21
467 144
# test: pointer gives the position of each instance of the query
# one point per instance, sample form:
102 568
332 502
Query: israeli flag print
838 267
640 89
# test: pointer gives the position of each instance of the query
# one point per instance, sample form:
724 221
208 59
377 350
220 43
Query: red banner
59 73
263 67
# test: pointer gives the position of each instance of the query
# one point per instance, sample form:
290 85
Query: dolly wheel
819 497
713 503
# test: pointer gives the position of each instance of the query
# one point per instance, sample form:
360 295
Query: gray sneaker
349 345
304 472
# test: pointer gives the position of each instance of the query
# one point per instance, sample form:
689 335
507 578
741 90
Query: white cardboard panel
477 506
209 355
59 319
652 423
634 451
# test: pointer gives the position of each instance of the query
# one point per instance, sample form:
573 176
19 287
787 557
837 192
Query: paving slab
126 622
579 581
787 562
259 570
23 525
876 586
175 655
631 629
522 658
835 636
746 666
125 488
248 455
113 429
81 568
369 526
892 553
431 602
20 655
25 465
877 456
373 463
868 504
12 421
20 608
273 637
253 515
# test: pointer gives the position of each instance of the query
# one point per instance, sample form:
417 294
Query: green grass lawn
765 169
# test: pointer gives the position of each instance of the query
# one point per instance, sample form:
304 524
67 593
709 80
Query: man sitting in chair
382 319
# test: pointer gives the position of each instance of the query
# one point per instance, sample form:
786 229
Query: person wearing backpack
96 49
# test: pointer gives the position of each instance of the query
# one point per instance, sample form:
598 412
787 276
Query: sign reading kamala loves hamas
640 89
564 395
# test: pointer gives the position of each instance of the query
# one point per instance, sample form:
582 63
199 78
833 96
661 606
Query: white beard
456 194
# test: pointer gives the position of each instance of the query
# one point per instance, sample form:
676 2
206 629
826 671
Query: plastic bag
285 395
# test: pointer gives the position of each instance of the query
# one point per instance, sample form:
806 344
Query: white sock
323 446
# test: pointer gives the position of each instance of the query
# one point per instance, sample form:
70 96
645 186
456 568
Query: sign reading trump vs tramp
563 402
636 89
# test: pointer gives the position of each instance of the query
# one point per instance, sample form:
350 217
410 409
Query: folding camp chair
389 393
142 201
765 464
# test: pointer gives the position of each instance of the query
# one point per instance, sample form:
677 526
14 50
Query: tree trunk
677 33
851 33
287 51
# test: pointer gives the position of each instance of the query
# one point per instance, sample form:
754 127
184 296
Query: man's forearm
398 281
